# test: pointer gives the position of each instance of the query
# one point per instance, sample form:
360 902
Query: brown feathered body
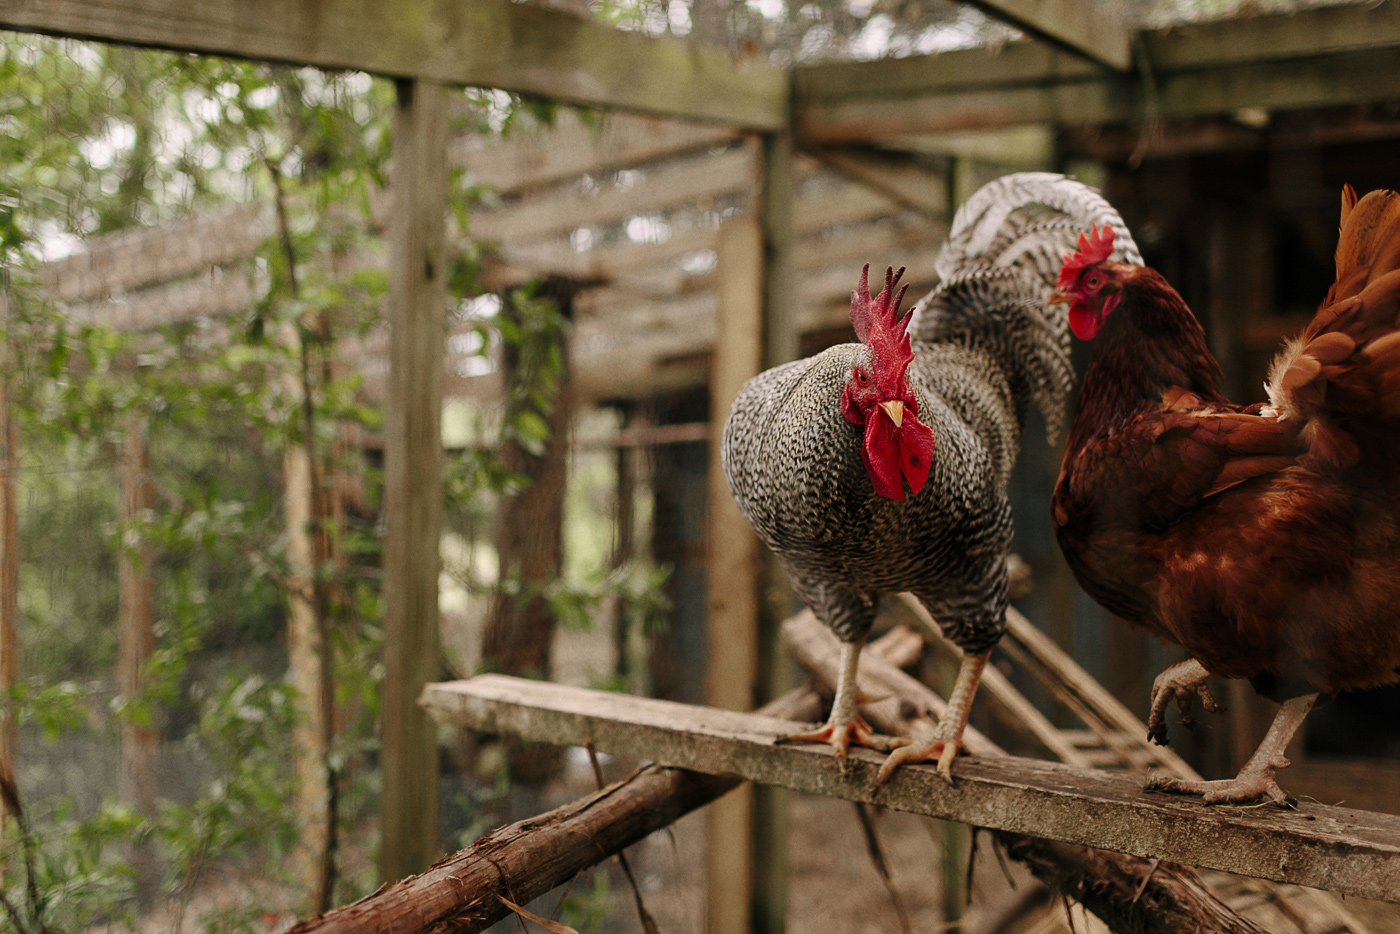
1264 539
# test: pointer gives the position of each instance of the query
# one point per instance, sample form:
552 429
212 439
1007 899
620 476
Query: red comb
879 326
1094 247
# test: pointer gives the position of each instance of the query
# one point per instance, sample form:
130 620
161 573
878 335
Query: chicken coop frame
1088 70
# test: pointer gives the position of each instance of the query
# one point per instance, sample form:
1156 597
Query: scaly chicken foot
845 725
1256 780
1181 681
945 742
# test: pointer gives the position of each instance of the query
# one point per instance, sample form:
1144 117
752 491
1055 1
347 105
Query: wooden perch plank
1350 852
485 43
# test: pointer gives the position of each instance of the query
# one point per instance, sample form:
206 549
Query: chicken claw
1181 681
946 740
944 748
841 733
1256 780
845 723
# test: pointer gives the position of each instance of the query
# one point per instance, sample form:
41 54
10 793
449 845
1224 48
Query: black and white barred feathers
984 348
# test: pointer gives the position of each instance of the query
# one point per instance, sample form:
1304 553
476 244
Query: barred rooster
882 466
1265 539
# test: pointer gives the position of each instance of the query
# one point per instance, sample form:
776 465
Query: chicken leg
1182 681
946 739
1256 779
845 723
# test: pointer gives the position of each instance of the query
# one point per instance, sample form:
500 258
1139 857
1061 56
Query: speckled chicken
882 466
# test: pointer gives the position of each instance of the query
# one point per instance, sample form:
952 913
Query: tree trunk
9 554
519 632
136 601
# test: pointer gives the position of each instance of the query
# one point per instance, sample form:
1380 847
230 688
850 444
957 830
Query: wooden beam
1324 31
486 43
679 181
140 257
572 147
1341 850
413 478
1094 29
1314 58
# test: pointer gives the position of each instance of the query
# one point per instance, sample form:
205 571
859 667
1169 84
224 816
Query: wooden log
413 478
1341 850
487 43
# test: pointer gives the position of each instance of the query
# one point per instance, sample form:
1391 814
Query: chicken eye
1094 280
861 378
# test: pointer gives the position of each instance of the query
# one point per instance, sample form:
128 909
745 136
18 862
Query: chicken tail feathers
1341 376
1001 261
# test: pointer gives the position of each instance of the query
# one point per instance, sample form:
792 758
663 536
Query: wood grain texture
1094 29
1312 58
486 43
413 477
1345 851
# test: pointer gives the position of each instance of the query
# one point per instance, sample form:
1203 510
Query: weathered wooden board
146 256
1313 58
571 147
691 179
417 312
1345 851
1092 28
485 43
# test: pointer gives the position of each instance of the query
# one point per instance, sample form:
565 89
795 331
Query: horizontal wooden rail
1313 58
484 43
1337 849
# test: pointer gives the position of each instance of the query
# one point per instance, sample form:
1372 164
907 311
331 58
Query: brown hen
1263 539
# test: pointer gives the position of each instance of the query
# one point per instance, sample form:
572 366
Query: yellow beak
895 410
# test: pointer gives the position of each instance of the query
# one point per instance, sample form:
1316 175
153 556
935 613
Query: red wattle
895 454
1083 322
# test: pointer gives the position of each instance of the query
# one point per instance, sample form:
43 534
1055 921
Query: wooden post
413 478
136 600
732 566
780 345
624 545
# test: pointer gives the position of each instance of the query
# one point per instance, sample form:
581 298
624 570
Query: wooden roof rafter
1313 58
1094 29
